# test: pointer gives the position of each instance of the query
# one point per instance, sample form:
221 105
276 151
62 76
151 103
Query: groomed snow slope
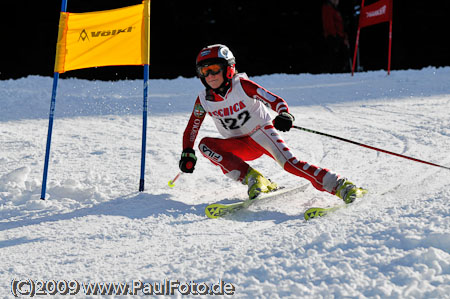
96 227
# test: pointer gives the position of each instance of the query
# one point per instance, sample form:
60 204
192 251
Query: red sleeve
255 91
194 124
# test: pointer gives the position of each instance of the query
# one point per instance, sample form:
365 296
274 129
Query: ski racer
237 106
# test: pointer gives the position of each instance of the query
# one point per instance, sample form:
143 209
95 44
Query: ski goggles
205 71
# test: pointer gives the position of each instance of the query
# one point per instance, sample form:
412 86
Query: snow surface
96 227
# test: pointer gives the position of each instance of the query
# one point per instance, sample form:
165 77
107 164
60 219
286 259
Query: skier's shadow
134 206
141 206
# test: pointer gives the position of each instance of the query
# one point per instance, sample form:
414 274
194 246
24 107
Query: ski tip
320 212
313 213
215 211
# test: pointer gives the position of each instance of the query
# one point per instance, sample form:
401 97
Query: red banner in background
375 13
378 12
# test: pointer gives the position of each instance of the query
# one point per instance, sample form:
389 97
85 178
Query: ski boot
257 183
348 192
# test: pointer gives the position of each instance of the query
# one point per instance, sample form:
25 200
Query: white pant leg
321 178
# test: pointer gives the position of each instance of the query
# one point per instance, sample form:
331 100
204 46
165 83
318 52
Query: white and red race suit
242 118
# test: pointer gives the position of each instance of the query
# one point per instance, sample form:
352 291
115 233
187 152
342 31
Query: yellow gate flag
104 38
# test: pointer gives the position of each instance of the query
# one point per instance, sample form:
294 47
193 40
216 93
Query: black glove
283 121
188 160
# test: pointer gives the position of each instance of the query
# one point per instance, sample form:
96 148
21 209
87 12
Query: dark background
266 37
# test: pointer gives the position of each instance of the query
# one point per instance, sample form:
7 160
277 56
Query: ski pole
171 183
368 146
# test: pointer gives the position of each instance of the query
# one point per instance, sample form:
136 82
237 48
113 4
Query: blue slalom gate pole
49 134
144 129
50 121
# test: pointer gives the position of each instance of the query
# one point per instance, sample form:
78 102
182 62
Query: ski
320 212
217 210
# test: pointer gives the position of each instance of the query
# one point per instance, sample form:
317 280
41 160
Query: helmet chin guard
231 70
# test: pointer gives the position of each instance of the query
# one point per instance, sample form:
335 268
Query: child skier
237 106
